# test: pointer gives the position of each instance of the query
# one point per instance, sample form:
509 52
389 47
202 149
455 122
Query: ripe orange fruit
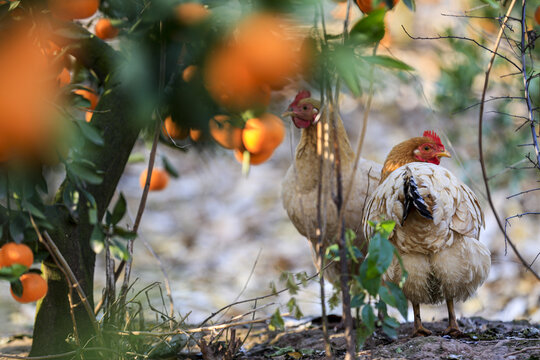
195 134
88 116
159 179
1 258
73 9
537 15
367 5
232 84
105 30
254 159
89 95
169 128
271 48
263 134
189 73
28 91
34 288
13 253
64 78
191 13
225 133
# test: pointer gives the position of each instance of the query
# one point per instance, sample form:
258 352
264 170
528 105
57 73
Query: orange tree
209 67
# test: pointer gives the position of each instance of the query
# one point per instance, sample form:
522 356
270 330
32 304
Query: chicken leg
419 329
453 328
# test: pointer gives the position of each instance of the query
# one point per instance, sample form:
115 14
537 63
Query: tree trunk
53 322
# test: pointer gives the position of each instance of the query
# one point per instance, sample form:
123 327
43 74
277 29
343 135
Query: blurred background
223 236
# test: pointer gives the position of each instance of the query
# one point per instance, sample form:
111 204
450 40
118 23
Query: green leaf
17 225
345 62
13 272
16 287
119 210
124 234
368 317
33 209
276 322
91 133
85 173
97 239
388 297
369 29
388 62
400 299
411 4
136 158
118 249
358 300
169 167
14 5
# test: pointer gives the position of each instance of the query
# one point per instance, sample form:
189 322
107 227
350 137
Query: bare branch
439 37
480 144
521 193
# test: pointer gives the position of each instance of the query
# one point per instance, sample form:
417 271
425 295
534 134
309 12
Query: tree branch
480 144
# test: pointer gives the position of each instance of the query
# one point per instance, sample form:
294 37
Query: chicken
301 183
438 220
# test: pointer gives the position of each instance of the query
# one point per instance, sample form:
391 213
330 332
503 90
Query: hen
302 180
438 221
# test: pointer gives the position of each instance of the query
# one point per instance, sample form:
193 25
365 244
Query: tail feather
413 198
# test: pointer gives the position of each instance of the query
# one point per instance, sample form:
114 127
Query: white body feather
443 256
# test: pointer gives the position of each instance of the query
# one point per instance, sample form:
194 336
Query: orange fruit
191 13
1 258
105 30
169 128
89 95
158 181
34 288
73 9
537 15
195 134
231 83
367 5
88 116
13 253
224 133
254 159
64 78
189 73
263 134
28 91
270 47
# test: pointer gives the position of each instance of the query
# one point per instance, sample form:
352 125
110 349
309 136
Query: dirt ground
482 339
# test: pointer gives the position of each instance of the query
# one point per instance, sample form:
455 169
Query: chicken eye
304 108
426 148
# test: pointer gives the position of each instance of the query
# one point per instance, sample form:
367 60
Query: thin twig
521 193
439 37
259 297
526 82
530 348
480 144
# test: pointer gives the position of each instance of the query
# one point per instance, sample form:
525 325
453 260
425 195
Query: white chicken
438 220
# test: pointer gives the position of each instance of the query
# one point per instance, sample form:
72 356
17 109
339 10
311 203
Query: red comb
304 94
432 135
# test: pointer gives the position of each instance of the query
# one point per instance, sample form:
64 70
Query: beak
287 113
444 154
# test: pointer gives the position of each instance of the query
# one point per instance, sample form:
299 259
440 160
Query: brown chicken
301 183
438 221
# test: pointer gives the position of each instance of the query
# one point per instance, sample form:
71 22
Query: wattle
301 123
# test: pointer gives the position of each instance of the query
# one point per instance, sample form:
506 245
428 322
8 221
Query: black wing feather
413 198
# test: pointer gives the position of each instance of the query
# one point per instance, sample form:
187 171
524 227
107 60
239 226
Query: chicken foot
419 329
453 328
